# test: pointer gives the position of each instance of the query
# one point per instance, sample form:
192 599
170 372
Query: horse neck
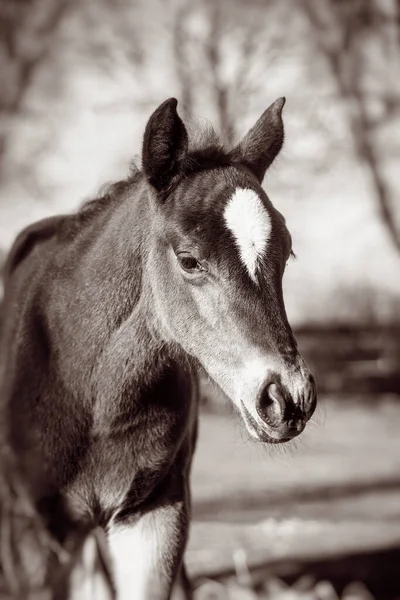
135 353
121 337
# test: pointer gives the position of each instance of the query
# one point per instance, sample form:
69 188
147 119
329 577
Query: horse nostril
271 404
296 425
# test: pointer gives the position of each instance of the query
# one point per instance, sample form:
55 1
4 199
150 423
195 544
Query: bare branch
26 33
340 36
183 68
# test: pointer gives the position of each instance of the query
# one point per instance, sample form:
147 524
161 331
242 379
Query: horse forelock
202 135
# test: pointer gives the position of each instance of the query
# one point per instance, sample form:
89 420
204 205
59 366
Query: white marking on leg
250 224
134 555
89 578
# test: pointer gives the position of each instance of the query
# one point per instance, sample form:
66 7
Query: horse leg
147 553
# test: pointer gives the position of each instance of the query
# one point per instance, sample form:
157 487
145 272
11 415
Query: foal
109 313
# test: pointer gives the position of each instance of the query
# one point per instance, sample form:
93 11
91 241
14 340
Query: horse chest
126 462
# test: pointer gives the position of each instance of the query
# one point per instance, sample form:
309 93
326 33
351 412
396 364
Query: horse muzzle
281 415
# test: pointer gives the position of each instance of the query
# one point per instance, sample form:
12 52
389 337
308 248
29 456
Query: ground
335 491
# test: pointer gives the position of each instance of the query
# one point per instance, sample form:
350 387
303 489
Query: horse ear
165 146
261 145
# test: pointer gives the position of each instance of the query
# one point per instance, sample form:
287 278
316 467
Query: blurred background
319 518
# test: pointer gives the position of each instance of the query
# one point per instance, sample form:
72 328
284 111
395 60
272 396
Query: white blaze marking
249 222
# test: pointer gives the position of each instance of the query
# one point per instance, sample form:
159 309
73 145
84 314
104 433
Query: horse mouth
256 431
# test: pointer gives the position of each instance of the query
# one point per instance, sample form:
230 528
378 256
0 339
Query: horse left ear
263 142
165 146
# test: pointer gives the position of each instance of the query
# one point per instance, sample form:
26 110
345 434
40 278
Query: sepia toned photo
199 300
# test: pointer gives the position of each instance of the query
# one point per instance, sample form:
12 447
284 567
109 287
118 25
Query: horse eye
189 263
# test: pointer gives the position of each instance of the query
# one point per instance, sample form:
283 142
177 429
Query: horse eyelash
292 255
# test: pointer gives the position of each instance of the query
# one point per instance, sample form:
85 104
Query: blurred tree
115 35
360 41
26 34
221 51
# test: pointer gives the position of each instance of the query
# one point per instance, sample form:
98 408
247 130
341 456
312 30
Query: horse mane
110 192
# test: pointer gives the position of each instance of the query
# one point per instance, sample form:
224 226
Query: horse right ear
165 146
263 142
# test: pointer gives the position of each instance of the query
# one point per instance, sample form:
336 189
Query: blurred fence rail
348 360
291 549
